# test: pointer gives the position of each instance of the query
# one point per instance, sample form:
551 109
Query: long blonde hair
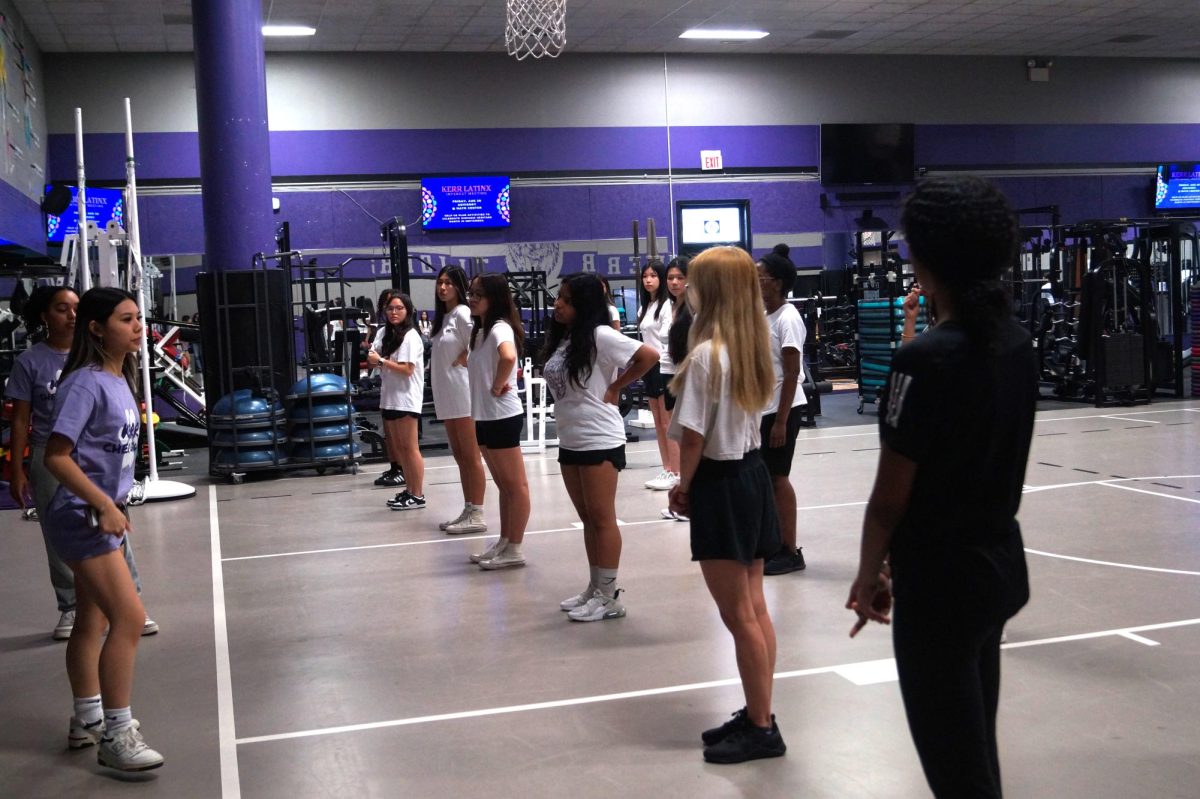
723 287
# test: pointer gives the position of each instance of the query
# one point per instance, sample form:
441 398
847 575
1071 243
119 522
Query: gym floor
315 644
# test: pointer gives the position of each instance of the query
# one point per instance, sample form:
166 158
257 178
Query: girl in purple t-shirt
92 447
49 314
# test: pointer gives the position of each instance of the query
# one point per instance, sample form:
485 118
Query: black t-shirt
964 415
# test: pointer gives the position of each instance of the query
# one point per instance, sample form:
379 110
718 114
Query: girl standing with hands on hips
399 354
496 339
956 420
724 487
452 394
50 313
583 354
654 320
91 451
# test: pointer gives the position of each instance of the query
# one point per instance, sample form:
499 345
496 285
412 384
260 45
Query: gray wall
407 91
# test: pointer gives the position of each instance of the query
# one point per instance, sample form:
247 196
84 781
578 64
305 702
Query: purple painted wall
327 219
21 220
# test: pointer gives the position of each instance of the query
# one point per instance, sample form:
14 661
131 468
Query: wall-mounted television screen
703 224
103 206
1177 187
853 155
465 203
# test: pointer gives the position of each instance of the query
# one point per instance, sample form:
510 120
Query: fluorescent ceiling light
701 33
288 30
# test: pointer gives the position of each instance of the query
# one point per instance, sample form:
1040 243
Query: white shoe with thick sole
506 559
471 523
457 519
664 482
598 608
579 600
125 750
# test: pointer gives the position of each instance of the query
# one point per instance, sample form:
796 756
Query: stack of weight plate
246 431
880 325
322 420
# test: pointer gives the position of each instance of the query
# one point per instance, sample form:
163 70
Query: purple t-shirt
34 380
95 410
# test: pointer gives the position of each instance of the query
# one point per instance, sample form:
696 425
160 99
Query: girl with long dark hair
587 365
654 321
956 421
49 316
496 339
399 354
91 452
676 291
452 394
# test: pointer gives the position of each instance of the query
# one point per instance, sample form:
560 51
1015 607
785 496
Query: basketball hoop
536 28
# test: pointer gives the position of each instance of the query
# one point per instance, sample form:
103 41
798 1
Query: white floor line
231 787
672 689
1139 639
1110 481
1129 419
1152 493
1094 562
1110 415
443 540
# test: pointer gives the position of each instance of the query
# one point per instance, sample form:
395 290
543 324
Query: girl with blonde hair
724 487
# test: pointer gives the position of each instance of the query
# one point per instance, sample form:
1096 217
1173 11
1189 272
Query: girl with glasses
399 354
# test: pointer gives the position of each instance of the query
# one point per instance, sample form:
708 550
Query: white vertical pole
154 489
85 271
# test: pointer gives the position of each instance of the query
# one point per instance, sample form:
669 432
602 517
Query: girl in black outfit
956 419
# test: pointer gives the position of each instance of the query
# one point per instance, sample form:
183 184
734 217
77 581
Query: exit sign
711 159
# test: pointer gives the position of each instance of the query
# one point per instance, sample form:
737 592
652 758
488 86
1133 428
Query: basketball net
536 28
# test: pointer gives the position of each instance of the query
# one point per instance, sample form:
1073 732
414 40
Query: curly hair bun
781 249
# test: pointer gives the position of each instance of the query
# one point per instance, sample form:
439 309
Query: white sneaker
150 627
579 600
505 559
665 481
125 750
457 519
598 608
470 523
66 623
495 549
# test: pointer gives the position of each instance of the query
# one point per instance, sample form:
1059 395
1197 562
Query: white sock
606 581
88 710
117 719
512 549
474 508
593 579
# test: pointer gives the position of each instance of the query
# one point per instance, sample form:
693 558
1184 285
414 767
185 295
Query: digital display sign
465 203
103 206
1177 187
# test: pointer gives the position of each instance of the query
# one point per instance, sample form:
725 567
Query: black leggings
950 682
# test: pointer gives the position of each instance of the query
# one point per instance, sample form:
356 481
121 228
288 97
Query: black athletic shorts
732 511
779 459
668 397
500 433
592 457
653 380
391 416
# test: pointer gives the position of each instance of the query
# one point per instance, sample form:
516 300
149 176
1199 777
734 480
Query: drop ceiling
1048 28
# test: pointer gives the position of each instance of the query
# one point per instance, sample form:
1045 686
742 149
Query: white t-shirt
652 329
729 432
614 315
583 419
481 364
451 384
787 330
403 392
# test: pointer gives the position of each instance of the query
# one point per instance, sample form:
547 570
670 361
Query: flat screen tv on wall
1177 187
703 224
856 155
104 205
465 203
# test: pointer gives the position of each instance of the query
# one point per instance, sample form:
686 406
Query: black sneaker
784 562
406 501
747 743
718 734
392 478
